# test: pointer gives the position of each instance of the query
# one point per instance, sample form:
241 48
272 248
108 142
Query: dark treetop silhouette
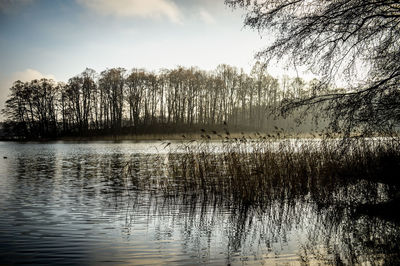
118 102
334 37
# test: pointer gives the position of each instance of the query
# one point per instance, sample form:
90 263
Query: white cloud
135 8
206 17
26 75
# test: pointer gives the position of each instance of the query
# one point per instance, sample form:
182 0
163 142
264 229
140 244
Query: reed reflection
230 206
258 202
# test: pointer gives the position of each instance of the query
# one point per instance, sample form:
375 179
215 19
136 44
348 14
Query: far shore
180 137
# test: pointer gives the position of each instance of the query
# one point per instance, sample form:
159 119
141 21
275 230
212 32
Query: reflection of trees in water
208 226
339 237
325 212
313 219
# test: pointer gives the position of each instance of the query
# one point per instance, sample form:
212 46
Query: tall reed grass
256 171
268 186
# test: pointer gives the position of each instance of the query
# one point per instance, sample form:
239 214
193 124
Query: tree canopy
117 101
338 38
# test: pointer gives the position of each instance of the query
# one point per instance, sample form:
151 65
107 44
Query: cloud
9 5
206 17
29 74
26 75
135 8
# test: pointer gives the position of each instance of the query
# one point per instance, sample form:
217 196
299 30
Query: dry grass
267 186
256 171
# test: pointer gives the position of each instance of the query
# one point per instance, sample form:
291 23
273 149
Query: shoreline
184 137
172 136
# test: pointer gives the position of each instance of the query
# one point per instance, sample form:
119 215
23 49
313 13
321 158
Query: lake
73 203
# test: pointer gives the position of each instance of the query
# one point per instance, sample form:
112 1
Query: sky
59 39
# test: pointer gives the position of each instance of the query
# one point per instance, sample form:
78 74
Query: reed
338 190
256 171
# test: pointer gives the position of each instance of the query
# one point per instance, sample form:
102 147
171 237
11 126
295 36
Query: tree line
116 101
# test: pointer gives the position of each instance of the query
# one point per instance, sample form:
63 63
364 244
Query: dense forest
170 101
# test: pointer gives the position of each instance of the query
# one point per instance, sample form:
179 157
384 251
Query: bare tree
336 38
140 101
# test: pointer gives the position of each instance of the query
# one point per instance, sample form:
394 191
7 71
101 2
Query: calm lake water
72 203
